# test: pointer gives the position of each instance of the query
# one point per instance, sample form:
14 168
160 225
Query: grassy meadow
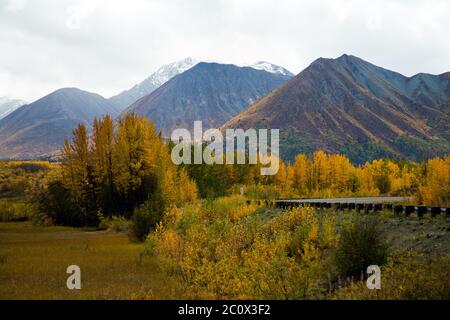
236 252
33 262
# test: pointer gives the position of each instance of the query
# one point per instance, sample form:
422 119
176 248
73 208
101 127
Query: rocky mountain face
350 106
37 130
210 92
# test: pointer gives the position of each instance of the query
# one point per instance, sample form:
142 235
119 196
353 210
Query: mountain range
210 92
351 106
38 130
345 105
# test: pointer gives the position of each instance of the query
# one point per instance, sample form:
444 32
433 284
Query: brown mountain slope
350 106
38 130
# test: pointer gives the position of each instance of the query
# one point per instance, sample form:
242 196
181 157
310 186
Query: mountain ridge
169 71
211 92
151 83
345 105
37 130
348 103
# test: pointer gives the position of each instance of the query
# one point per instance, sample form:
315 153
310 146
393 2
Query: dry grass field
34 259
33 262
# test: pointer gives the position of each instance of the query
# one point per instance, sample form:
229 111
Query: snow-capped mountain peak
8 105
168 71
270 67
157 79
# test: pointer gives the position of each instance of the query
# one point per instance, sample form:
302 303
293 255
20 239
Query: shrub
221 250
140 224
406 277
115 223
361 244
57 203
145 218
15 211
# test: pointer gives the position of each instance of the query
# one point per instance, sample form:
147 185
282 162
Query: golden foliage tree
116 170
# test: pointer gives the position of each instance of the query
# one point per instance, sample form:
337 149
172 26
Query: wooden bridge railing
363 206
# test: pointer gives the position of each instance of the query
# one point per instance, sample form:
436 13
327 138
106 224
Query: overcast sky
106 46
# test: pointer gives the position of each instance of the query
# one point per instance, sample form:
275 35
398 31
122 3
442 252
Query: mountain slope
210 92
351 106
161 76
38 130
8 105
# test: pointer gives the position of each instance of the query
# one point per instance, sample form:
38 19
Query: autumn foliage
115 170
228 249
322 175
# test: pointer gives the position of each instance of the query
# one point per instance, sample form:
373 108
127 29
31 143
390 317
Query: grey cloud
107 46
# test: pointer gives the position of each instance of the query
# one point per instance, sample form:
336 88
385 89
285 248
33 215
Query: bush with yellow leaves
406 277
225 249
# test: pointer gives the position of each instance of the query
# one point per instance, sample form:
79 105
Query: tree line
324 175
124 169
117 169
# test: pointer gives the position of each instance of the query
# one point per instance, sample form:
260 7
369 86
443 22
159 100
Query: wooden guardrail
366 205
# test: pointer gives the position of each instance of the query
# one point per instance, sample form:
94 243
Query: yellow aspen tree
302 174
129 152
436 190
320 171
102 159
